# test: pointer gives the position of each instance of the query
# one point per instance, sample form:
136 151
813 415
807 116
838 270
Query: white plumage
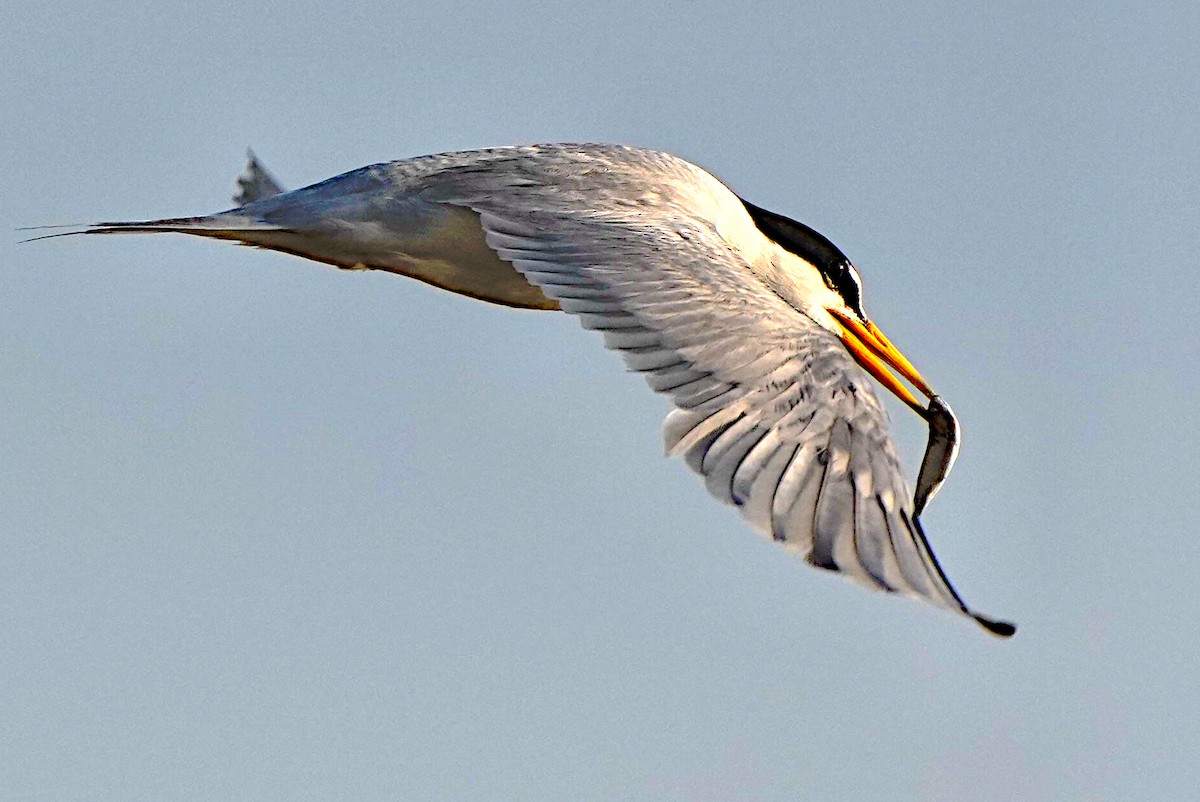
747 336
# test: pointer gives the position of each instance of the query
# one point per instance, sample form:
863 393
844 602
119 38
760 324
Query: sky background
275 531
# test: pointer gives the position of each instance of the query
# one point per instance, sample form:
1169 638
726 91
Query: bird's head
837 304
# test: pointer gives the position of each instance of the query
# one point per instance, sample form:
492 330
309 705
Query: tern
752 323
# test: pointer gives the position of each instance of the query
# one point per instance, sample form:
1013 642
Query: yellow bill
879 357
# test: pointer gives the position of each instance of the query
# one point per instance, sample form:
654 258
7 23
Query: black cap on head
813 247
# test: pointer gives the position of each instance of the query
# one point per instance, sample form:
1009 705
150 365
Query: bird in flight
753 324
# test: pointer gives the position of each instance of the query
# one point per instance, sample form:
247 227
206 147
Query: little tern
753 324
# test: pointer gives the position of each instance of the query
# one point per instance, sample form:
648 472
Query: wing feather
725 455
773 460
870 527
833 529
798 488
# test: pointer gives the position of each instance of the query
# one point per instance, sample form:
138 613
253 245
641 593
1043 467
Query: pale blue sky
272 531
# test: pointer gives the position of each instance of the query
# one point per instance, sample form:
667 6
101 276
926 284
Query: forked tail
254 184
226 225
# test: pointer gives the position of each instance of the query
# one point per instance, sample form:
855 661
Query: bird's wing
255 183
771 409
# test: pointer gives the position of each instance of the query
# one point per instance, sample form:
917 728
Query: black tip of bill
1000 628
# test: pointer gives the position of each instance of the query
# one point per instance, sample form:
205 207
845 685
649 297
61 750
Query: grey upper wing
770 407
255 183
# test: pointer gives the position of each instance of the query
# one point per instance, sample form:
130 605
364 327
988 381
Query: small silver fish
940 453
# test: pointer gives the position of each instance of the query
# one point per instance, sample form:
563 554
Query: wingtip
255 183
1001 629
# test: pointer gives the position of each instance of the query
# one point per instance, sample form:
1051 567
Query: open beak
876 353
